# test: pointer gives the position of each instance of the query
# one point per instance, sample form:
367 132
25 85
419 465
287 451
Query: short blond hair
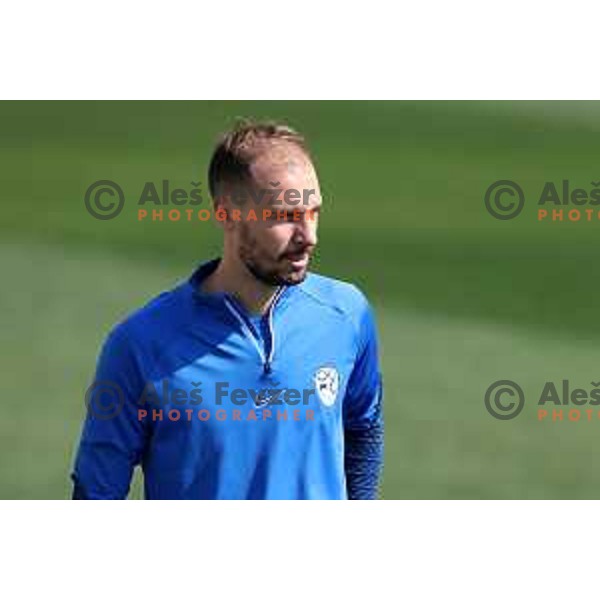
238 148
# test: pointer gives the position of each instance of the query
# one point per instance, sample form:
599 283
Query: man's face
277 249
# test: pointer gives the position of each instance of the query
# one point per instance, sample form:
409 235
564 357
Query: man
255 378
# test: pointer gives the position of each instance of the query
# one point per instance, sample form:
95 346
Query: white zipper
266 361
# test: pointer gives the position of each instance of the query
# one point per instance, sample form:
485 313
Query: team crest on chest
327 383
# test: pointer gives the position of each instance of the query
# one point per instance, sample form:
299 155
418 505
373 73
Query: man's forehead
280 160
294 199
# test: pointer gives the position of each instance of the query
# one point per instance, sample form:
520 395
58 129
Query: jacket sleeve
113 438
363 415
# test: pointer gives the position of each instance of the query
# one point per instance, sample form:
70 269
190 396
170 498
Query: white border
313 550
515 49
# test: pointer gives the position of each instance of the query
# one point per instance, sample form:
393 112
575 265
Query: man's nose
306 232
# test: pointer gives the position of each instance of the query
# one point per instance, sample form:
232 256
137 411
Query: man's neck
236 280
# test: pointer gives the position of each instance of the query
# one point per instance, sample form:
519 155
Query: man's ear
221 207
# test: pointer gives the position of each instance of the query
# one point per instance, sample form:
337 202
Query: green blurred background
462 299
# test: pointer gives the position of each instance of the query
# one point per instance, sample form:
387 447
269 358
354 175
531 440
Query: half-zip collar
234 307
241 315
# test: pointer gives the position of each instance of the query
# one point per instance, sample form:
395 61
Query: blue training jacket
215 407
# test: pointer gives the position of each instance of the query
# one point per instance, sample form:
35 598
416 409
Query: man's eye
291 217
283 218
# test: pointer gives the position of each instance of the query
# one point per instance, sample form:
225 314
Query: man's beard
268 275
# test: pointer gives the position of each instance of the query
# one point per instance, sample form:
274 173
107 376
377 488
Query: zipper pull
267 368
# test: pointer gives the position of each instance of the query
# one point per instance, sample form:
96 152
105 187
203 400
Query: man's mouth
296 255
298 259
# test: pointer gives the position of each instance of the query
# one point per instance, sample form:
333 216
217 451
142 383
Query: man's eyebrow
290 210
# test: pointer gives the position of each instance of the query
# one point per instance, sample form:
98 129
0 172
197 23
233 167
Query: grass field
462 300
